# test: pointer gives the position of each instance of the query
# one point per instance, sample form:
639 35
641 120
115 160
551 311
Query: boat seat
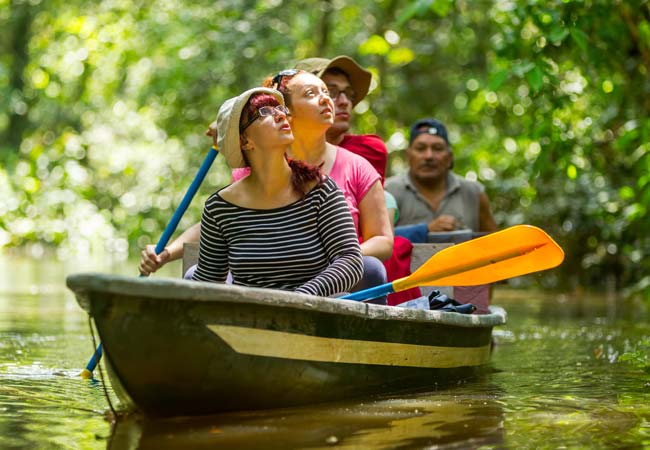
421 254
190 255
477 295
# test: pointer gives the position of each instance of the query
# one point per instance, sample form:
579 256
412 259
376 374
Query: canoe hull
190 349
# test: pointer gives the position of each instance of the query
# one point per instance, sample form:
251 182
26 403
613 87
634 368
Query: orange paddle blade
512 252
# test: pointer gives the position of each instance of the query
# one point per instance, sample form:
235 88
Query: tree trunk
20 25
322 38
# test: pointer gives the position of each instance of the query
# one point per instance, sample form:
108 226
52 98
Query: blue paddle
164 239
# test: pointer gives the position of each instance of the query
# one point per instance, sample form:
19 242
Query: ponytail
303 174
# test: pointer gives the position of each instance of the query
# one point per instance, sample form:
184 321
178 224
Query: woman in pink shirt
312 113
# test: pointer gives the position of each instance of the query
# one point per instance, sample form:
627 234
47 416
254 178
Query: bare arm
391 215
374 224
341 244
486 220
150 262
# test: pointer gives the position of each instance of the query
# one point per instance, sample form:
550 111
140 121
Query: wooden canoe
175 347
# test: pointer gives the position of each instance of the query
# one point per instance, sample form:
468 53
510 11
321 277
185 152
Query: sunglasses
335 92
278 78
263 112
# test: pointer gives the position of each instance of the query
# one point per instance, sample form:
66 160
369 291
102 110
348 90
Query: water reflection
48 406
460 416
44 344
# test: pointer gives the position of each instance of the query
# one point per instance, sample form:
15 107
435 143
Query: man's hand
442 223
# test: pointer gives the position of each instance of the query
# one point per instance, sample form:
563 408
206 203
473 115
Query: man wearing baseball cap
430 197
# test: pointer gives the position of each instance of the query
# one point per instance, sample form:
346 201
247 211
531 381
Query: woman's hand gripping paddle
515 251
164 239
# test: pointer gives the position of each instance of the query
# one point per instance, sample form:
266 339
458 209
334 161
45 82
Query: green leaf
374 45
442 7
497 79
626 192
522 68
401 56
535 78
572 172
580 38
417 8
644 32
557 34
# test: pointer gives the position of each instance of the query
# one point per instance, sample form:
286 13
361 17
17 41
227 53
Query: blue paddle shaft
187 199
169 230
94 359
368 294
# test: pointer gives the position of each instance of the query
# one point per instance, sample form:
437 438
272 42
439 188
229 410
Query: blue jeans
374 274
190 272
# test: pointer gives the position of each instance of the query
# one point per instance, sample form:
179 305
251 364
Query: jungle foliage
104 105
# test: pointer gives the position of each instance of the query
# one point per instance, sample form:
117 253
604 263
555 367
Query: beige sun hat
359 77
228 124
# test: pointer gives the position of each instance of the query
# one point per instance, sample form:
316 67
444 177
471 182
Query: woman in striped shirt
285 226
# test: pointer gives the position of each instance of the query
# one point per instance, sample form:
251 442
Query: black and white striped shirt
309 246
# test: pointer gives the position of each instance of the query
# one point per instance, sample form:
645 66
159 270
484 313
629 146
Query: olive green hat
358 76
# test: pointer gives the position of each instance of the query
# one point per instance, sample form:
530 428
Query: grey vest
461 201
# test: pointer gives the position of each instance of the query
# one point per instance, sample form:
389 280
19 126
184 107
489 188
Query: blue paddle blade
87 373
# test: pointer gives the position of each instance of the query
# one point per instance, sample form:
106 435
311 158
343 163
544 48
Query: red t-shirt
373 149
370 147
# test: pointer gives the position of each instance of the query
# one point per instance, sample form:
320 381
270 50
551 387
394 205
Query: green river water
554 382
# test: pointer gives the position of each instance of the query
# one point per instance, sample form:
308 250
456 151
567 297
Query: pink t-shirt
351 173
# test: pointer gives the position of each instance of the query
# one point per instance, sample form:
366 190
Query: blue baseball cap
428 126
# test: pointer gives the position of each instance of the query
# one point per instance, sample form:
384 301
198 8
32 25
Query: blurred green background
104 105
